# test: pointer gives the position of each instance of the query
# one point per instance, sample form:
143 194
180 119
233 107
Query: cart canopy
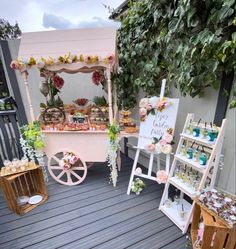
69 51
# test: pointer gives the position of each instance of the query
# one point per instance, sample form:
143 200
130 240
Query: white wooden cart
89 146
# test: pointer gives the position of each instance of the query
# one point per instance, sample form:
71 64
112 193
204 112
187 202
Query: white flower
143 102
166 149
153 101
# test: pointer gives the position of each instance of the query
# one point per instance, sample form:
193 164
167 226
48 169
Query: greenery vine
191 42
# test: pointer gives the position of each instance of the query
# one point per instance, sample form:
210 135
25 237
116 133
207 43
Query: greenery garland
191 42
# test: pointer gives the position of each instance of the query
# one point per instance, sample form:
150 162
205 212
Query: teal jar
190 153
203 159
196 131
211 136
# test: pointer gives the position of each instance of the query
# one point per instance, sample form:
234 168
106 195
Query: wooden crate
23 184
217 233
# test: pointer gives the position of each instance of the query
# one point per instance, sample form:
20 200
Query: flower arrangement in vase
137 186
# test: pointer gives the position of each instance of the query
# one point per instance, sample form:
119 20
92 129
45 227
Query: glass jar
203 159
190 153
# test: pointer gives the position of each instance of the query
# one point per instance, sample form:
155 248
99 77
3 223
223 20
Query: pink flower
88 59
58 82
161 105
161 176
149 107
167 137
110 58
151 147
14 65
66 166
142 112
162 142
73 160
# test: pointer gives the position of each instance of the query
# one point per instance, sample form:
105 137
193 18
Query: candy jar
189 129
196 131
203 159
203 131
183 150
195 155
168 203
182 213
190 153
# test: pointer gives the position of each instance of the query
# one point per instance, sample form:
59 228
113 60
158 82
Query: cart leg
133 171
118 160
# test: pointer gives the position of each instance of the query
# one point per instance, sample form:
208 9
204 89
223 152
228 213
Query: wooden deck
93 215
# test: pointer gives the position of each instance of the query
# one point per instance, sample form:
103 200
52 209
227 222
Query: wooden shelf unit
214 148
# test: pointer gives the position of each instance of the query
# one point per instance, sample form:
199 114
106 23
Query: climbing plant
191 42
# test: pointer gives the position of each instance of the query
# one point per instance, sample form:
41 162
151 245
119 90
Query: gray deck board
93 215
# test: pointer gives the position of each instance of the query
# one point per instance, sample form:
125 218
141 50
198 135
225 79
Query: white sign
155 125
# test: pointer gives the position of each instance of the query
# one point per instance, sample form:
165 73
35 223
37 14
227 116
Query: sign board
155 125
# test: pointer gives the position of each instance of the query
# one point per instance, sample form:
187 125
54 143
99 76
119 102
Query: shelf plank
198 140
190 162
173 212
188 190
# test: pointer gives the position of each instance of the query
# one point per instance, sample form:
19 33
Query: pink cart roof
100 42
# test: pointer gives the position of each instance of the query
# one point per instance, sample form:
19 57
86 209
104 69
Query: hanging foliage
191 42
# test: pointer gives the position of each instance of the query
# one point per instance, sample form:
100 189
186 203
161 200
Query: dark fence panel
9 136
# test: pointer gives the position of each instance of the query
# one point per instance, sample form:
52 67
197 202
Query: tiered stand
172 211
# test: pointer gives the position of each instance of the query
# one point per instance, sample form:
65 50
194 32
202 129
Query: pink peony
151 147
161 176
66 166
149 107
168 137
58 82
142 112
162 142
14 65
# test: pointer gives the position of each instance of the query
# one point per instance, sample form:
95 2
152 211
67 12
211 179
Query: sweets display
221 204
99 115
126 122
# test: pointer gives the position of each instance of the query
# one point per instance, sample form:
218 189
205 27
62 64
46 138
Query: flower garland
150 105
22 64
163 144
113 146
32 143
68 160
98 77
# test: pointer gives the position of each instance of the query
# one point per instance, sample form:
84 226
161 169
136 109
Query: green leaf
232 104
153 112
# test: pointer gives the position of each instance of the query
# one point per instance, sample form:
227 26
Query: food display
81 101
126 122
99 115
221 204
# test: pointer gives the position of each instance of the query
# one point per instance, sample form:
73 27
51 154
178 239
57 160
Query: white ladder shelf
172 210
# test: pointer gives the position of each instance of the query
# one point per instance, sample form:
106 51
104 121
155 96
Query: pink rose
73 160
142 112
162 142
151 147
149 107
167 137
97 77
14 65
161 176
66 166
110 58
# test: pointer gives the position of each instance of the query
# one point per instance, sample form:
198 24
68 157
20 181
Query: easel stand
150 166
172 210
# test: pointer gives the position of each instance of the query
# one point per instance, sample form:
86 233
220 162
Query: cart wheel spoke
76 175
78 168
69 179
60 175
56 159
56 167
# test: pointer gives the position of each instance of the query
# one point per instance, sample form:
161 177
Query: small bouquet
68 160
137 186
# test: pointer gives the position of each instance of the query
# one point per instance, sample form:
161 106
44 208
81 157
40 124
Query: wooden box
217 233
27 183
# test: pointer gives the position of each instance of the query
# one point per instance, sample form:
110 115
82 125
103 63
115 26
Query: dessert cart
95 49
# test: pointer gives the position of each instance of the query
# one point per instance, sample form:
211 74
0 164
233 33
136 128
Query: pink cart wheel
73 176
